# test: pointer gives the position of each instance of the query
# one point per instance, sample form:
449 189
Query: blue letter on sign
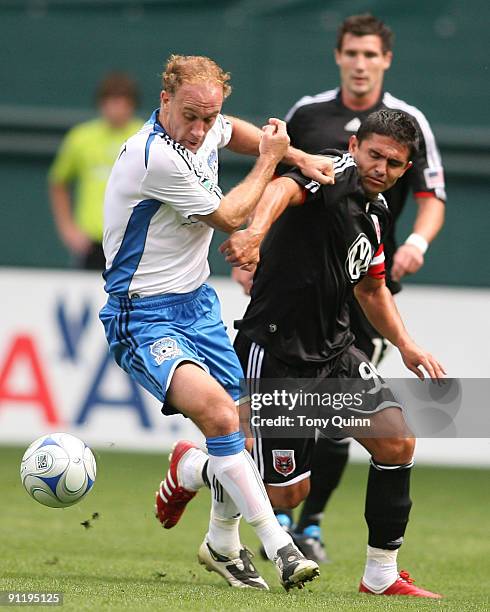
95 396
71 329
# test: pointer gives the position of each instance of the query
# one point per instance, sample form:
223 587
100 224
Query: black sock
287 511
388 504
327 466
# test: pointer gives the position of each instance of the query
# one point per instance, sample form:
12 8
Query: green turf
127 561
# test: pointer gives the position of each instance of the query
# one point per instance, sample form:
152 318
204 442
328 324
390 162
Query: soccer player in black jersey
328 119
322 245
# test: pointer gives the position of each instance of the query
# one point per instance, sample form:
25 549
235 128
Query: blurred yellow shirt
85 160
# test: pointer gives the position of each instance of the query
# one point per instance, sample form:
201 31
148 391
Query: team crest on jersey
164 349
358 259
213 161
283 461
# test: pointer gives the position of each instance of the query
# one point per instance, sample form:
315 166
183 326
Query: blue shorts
148 337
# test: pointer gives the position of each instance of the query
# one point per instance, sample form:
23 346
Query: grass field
126 561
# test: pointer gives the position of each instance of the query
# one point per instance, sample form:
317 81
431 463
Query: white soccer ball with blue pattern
57 470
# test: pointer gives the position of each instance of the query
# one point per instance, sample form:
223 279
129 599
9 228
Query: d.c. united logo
283 461
358 259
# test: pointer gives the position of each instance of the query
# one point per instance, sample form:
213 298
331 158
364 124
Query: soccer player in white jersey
162 320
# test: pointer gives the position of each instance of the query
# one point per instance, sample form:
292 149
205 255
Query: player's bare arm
242 247
409 257
245 139
379 307
237 205
73 237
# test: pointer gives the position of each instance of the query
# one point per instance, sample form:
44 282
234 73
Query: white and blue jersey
152 243
160 313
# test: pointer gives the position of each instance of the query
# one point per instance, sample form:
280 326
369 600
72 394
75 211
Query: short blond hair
191 69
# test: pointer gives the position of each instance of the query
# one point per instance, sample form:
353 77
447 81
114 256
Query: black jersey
310 260
321 121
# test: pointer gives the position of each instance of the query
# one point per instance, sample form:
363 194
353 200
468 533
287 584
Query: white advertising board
56 375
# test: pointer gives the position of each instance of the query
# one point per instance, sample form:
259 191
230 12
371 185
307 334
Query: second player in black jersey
328 119
322 244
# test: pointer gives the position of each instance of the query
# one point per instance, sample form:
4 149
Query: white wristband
418 241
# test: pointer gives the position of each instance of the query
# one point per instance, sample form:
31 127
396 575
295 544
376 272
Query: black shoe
310 544
294 569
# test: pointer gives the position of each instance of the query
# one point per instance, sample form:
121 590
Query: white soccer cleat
239 572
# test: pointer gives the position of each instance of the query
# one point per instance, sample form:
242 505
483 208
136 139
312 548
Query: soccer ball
57 470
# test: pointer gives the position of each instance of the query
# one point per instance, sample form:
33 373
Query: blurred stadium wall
54 52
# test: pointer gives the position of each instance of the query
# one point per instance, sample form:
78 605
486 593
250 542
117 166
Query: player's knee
395 451
289 497
222 419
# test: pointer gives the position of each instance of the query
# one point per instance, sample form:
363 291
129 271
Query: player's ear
164 98
336 54
388 57
353 144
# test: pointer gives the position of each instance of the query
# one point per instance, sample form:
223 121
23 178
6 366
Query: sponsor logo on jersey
164 349
352 125
434 178
283 461
358 258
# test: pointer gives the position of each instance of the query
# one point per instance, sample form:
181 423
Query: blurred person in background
327 120
79 173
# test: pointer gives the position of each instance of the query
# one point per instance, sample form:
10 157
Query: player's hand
275 140
416 358
244 278
74 239
408 259
242 249
317 167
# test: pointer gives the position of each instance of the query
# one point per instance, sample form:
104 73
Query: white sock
224 522
241 480
189 469
381 569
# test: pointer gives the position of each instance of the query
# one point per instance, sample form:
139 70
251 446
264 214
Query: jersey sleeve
173 179
377 266
224 130
310 188
427 174
65 167
345 178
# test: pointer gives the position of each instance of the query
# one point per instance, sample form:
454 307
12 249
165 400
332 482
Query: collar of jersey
157 127
368 110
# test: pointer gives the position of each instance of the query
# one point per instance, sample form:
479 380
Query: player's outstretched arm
242 247
235 208
379 307
245 139
409 257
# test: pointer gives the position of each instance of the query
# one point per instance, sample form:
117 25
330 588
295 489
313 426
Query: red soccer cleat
171 498
403 585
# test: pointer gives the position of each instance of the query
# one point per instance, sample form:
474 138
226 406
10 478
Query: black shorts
284 461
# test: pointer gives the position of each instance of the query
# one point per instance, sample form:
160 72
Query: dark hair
365 25
393 123
118 84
